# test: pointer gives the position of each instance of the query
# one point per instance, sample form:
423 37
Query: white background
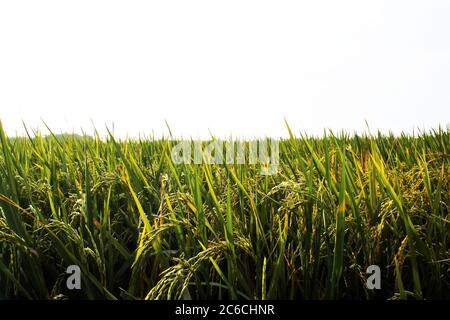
229 66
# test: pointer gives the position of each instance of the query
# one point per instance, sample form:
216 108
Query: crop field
141 226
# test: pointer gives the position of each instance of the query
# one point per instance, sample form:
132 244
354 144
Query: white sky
227 66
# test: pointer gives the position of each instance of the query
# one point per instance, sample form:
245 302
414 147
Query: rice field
141 226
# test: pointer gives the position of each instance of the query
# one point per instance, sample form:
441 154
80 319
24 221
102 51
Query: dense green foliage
140 226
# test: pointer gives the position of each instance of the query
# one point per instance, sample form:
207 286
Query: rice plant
141 226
